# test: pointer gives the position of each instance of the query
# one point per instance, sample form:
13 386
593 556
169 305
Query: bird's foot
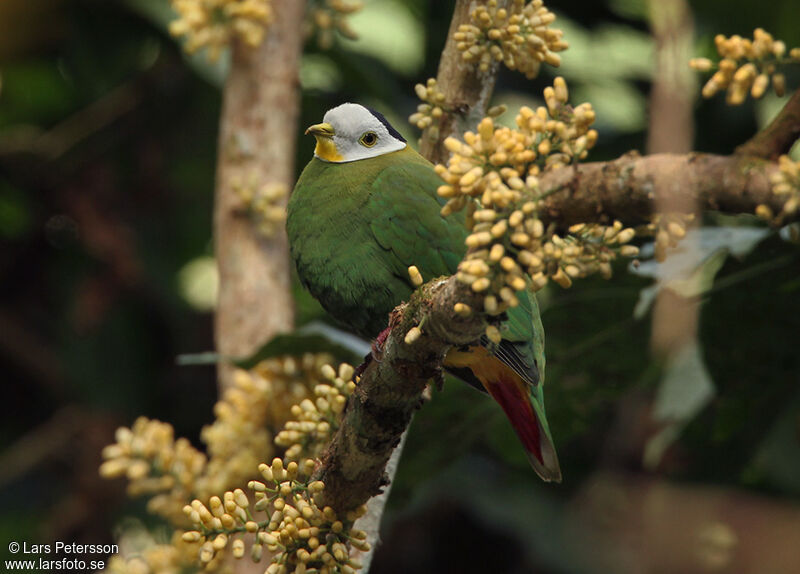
377 344
375 354
359 370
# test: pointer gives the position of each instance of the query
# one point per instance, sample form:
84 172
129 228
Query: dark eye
369 139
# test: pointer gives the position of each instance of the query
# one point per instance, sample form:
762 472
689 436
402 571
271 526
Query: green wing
406 222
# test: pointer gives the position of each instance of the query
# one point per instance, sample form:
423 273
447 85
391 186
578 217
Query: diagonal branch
625 188
779 136
390 390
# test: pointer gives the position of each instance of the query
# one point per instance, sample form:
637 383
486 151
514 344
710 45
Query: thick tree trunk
671 130
257 138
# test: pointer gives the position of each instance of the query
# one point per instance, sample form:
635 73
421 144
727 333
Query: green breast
337 256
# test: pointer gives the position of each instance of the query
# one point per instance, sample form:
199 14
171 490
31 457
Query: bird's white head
351 132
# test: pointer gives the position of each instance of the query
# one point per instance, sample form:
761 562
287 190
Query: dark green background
107 154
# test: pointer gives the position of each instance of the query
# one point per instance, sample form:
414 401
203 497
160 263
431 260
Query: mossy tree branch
391 388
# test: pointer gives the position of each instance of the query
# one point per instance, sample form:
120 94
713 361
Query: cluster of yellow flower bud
303 536
669 229
785 184
499 165
141 553
314 422
519 36
429 113
155 464
326 17
493 174
432 107
266 204
257 403
214 24
747 66
173 472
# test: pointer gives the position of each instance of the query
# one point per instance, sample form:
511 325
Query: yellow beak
321 130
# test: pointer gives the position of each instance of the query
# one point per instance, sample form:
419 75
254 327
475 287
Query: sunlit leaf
389 31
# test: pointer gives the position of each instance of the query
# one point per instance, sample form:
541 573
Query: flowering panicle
258 400
145 555
265 204
155 464
303 535
326 17
519 36
493 175
214 24
172 472
315 421
786 185
433 107
669 229
747 66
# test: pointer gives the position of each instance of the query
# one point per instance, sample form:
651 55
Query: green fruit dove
364 209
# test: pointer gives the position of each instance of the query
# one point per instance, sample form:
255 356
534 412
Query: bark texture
390 390
257 138
626 188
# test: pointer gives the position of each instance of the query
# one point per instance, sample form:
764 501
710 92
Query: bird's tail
527 416
522 403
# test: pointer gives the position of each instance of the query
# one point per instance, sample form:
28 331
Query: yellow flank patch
326 149
486 367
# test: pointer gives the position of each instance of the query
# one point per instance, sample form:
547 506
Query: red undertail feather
514 402
510 391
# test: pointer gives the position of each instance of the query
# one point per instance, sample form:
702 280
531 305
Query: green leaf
683 392
779 456
690 269
312 339
389 31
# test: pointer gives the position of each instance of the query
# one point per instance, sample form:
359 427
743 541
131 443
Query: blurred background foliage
108 138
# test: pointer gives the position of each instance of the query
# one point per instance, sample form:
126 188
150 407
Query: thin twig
779 136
